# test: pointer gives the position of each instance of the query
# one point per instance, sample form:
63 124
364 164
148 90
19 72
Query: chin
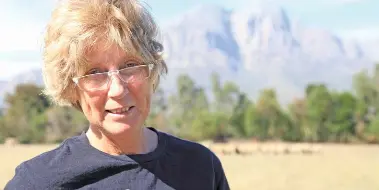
119 127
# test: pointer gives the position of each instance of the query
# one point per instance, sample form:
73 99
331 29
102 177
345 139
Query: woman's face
121 106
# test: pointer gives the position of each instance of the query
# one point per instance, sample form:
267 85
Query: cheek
93 106
142 94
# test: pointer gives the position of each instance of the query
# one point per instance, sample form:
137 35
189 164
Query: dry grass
336 167
11 156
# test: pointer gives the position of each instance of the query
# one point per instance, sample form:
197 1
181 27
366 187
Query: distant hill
33 76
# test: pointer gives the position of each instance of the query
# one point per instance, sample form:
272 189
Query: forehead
106 54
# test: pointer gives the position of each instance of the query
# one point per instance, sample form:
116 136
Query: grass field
337 167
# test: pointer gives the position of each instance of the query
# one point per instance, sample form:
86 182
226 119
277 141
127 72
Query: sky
23 22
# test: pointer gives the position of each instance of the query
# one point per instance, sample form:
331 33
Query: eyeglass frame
110 73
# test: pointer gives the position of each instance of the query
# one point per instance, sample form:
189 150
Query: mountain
371 48
256 49
259 49
2 85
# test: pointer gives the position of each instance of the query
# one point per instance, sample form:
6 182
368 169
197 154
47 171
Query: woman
101 56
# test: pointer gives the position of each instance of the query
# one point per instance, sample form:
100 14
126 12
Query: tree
343 121
26 97
319 104
364 89
63 122
298 113
372 131
209 125
184 106
24 117
269 116
367 93
2 130
225 96
237 119
158 117
2 127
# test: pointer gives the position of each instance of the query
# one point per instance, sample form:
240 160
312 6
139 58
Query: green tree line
322 115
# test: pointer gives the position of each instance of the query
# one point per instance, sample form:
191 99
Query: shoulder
179 145
191 151
38 172
197 157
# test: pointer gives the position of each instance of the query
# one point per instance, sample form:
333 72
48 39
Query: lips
120 110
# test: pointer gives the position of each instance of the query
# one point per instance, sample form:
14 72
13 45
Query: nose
117 87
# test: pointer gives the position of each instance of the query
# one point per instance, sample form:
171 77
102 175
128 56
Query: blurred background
284 91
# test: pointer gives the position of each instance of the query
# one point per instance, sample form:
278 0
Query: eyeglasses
100 81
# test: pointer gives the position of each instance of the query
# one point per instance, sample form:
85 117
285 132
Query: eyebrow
139 61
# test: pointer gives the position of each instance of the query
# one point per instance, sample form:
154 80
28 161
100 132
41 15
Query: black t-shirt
75 164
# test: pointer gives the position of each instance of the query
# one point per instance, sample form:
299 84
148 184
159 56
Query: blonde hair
76 26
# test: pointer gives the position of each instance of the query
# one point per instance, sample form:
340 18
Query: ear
152 87
153 84
76 103
77 106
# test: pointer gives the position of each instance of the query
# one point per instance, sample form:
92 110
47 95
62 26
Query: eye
93 71
130 64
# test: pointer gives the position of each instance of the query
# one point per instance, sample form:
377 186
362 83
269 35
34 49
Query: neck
139 141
